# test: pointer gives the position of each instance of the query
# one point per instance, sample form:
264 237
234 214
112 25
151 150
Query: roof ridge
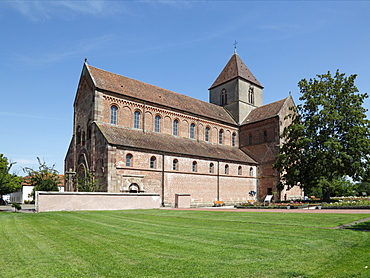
265 111
113 82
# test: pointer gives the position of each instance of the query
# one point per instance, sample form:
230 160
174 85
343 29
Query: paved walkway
25 208
355 211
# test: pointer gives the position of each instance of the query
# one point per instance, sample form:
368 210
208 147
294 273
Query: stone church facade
136 137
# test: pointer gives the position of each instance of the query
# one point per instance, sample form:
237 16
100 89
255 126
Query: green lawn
170 243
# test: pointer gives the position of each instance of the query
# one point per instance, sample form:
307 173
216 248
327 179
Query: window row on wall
137 124
194 166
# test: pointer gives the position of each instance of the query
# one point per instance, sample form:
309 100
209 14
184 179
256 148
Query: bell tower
236 89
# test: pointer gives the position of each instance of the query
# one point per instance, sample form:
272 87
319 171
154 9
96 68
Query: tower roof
233 69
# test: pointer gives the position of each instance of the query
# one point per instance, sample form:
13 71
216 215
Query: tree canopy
329 135
88 183
44 179
8 182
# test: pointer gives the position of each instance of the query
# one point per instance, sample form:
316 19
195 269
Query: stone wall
76 201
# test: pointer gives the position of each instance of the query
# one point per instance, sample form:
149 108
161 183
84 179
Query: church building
138 138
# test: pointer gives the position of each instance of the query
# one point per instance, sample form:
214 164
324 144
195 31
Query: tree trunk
326 196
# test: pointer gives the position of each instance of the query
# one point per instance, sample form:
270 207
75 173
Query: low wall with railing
72 201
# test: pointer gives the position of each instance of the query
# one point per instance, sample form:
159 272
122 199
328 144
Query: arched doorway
134 188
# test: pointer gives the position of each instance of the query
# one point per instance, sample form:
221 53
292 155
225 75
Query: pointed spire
233 69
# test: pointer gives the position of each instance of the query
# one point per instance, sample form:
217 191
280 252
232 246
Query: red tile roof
158 142
133 88
265 112
233 69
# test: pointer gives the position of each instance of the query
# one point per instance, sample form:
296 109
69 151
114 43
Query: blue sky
178 45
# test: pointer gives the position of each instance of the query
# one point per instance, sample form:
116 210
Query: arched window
211 168
137 119
265 136
251 95
233 139
206 135
113 115
83 138
176 127
194 166
221 136
89 130
223 97
175 165
226 169
153 162
78 138
128 160
157 125
192 131
251 173
240 170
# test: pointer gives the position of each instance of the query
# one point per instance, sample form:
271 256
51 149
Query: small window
226 169
233 139
192 131
211 168
157 127
223 97
194 166
176 127
206 135
83 138
78 139
89 130
251 95
153 162
249 139
137 119
113 115
175 165
129 160
220 136
251 172
265 136
240 170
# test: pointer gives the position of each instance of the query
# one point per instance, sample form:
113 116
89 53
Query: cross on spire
235 43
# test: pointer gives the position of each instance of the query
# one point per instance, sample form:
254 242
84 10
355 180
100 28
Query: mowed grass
171 243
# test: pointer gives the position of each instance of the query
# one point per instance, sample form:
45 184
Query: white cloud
37 10
81 49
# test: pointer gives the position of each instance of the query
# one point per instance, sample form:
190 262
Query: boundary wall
73 201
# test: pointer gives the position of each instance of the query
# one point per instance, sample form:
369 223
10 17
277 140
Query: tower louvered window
223 97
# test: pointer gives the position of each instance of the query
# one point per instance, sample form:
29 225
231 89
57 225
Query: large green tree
8 182
44 179
329 135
